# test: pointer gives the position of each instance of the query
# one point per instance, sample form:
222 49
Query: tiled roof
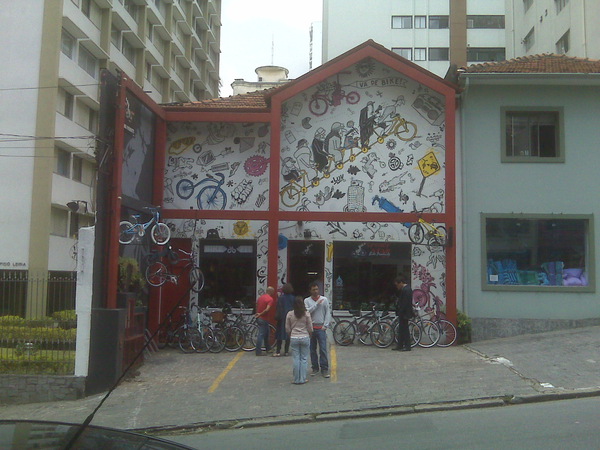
252 101
544 63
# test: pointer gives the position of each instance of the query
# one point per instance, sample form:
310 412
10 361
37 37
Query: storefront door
306 264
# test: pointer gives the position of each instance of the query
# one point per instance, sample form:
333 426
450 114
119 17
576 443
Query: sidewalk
178 391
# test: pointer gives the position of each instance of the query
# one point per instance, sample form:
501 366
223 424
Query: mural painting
368 139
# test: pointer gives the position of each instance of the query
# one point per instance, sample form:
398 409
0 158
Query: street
563 424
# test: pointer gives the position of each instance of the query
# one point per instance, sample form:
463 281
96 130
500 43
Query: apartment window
86 7
420 21
115 37
529 39
439 54
77 168
562 46
62 159
404 52
83 170
485 54
438 22
148 71
131 8
65 103
527 4
485 22
149 31
59 222
532 135
402 22
88 62
420 54
67 43
92 123
560 4
541 251
128 51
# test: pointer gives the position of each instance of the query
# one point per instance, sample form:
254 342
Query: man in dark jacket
404 312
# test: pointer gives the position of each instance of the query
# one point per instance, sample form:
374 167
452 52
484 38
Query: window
83 170
86 7
402 22
539 251
77 168
62 162
485 54
532 136
560 4
65 103
438 22
149 31
485 22
404 52
88 62
131 8
562 46
420 54
529 39
67 43
59 221
438 54
527 4
420 21
115 37
129 51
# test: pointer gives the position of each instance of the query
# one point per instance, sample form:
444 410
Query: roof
543 63
260 101
250 102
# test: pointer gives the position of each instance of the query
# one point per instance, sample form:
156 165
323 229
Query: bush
12 321
65 315
463 328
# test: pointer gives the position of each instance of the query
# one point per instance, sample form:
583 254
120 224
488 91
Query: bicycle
429 331
167 334
157 273
209 197
292 192
436 235
400 127
234 335
159 231
250 330
345 331
194 338
321 101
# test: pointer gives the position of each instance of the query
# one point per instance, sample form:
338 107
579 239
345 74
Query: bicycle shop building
319 179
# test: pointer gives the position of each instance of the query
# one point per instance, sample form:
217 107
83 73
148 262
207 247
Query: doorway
306 264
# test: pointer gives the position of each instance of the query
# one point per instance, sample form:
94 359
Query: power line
47 87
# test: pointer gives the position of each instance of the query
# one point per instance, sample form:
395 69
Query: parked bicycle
157 272
424 231
428 331
209 197
345 331
130 230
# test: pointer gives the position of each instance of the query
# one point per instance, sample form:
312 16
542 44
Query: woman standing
284 305
298 324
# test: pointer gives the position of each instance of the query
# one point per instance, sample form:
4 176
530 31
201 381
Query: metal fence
37 323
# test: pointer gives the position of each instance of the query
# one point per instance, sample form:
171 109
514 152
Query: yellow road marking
333 371
223 374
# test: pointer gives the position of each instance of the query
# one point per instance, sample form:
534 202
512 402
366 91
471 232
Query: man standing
318 307
265 312
404 312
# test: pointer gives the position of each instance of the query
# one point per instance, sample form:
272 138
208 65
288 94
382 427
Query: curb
398 410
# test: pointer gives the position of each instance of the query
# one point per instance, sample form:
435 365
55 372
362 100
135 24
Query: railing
37 323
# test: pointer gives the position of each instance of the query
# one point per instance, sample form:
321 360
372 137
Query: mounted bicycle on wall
431 235
130 230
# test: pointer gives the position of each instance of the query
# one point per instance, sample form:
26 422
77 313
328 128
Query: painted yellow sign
429 165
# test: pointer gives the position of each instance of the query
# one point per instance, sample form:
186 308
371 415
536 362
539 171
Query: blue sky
249 29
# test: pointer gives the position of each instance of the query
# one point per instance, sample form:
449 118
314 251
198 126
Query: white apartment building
52 54
553 26
431 33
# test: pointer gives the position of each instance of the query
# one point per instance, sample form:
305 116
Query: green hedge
37 334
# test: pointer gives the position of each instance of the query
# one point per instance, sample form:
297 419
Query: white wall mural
366 139
217 166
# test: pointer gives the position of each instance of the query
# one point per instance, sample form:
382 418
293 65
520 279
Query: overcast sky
251 26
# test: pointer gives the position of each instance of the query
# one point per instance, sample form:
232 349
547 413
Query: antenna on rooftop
272 48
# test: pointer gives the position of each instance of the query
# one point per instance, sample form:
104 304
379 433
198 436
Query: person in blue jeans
298 325
265 313
318 307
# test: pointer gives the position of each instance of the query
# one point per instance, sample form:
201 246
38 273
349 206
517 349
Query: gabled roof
260 101
544 63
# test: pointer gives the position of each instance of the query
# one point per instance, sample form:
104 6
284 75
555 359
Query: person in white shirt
318 307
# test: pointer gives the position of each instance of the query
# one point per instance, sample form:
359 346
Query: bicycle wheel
160 234
234 339
438 241
430 334
353 97
250 335
447 333
416 233
364 331
318 106
204 340
407 133
196 279
185 189
218 341
127 232
344 332
382 334
211 197
272 336
415 333
162 338
290 196
156 274
186 335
